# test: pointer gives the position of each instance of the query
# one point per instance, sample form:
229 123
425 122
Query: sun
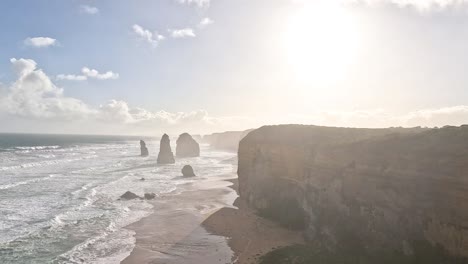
321 43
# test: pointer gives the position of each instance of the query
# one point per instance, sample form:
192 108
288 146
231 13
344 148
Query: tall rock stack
143 149
187 146
165 152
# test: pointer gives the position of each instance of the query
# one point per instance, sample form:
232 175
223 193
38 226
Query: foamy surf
60 203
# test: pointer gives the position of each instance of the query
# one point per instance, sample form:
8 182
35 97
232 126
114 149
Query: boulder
149 196
129 196
187 146
165 152
143 149
187 171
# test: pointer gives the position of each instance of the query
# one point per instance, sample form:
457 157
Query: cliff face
228 141
374 188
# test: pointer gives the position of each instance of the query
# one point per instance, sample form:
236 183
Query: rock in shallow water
187 171
143 149
165 152
129 196
149 196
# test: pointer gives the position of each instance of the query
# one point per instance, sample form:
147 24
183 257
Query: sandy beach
205 223
173 233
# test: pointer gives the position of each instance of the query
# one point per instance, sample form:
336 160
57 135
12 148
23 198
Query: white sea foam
72 199
37 147
12 185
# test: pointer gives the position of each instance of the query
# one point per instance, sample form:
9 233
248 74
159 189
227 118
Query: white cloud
40 42
199 3
205 22
182 33
420 5
455 115
147 35
92 73
88 73
71 77
34 99
91 10
34 95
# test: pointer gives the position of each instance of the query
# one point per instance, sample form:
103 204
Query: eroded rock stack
143 149
165 155
187 171
187 146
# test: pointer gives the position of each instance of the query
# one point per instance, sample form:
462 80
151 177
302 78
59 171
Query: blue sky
251 63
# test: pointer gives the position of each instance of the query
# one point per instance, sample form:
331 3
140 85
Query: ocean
59 194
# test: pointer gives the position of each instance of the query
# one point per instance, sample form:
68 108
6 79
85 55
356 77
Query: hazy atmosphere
234 132
117 68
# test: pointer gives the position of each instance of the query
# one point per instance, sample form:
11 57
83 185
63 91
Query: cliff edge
373 189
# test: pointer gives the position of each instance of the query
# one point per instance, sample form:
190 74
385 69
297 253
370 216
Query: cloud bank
34 98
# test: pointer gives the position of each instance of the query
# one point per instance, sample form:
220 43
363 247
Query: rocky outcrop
129 196
187 146
187 171
372 188
165 155
143 149
149 196
227 141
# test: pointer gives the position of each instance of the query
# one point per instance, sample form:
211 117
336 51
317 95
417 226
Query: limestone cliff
187 146
227 141
374 188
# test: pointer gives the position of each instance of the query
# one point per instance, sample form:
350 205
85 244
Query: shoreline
173 234
206 223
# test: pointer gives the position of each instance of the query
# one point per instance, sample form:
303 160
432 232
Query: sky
152 66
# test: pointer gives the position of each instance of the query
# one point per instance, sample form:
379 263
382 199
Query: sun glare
321 43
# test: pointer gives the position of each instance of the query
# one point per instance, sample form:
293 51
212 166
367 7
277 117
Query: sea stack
187 171
187 146
143 149
165 153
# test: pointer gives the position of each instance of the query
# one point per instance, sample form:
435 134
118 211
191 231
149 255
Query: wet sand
250 236
201 225
173 233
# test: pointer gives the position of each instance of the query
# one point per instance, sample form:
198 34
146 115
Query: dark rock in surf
129 196
187 171
187 146
149 196
143 149
165 152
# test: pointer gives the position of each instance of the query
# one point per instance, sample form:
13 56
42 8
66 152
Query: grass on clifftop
306 254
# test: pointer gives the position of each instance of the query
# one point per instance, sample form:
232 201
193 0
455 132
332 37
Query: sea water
59 194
